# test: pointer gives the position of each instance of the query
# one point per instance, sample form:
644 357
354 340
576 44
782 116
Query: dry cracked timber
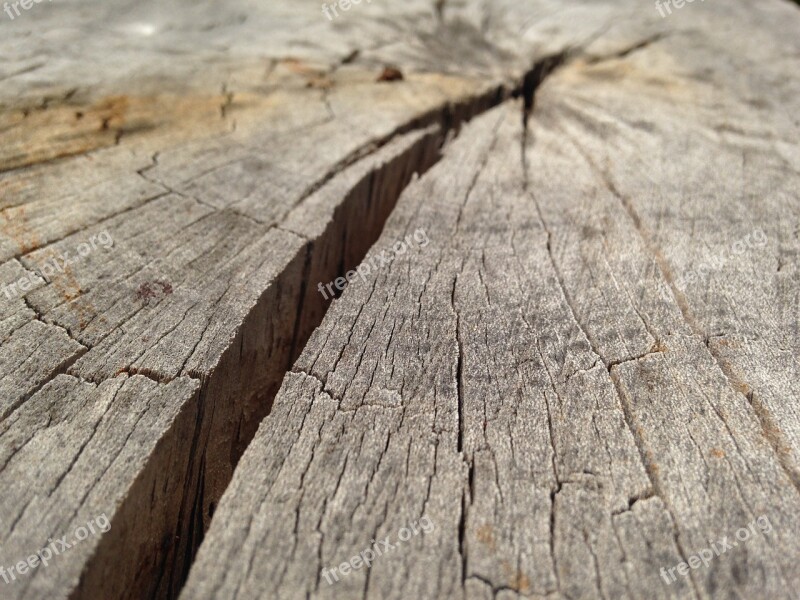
558 381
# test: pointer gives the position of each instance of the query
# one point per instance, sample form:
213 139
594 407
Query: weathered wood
191 165
463 384
537 381
545 380
212 296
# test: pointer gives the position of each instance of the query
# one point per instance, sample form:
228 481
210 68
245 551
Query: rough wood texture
466 384
588 373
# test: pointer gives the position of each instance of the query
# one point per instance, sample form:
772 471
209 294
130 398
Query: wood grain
587 373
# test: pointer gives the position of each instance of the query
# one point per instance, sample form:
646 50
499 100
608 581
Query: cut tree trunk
566 358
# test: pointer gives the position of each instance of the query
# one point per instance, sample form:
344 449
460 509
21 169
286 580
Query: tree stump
386 300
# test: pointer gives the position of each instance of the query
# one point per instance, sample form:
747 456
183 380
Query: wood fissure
515 279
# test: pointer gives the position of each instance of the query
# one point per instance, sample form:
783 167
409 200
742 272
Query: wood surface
582 370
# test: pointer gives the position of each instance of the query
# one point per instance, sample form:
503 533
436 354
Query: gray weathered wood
545 380
538 381
191 165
